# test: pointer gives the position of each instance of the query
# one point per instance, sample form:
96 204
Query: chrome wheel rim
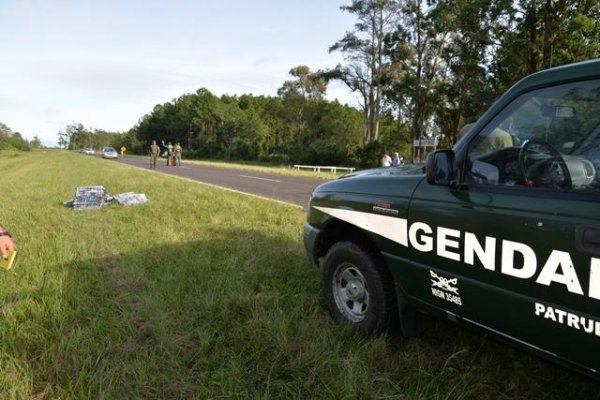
350 292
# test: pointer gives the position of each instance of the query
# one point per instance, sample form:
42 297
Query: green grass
203 293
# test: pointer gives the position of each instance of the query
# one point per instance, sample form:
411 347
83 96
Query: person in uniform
154 154
177 154
169 153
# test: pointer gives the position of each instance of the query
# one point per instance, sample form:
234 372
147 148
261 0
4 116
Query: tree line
439 64
76 136
10 140
294 127
420 70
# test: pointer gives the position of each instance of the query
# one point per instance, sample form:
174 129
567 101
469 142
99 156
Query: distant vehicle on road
109 152
89 151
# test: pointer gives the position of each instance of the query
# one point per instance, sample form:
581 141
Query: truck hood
410 169
395 181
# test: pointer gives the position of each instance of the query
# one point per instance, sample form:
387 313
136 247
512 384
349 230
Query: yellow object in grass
8 262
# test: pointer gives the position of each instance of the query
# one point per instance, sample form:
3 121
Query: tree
12 140
65 136
62 140
307 85
6 137
332 134
78 136
464 90
35 143
363 50
541 34
296 95
573 30
415 48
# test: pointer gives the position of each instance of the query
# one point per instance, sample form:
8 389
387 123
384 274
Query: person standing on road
177 154
154 154
169 153
6 242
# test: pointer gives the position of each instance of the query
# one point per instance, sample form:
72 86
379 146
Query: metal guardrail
318 168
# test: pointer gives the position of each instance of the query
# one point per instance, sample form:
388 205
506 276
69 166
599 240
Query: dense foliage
297 126
441 63
10 140
420 69
287 129
76 136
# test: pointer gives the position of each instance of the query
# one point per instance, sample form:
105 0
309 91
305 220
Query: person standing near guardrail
396 160
386 160
154 154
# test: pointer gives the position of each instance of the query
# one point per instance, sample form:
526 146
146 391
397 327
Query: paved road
295 190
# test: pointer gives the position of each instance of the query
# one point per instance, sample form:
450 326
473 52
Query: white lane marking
262 179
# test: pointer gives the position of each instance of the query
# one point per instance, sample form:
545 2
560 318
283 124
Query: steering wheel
542 165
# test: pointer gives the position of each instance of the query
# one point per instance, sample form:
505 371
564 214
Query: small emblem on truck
445 288
444 283
384 208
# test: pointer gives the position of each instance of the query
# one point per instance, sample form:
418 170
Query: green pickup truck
501 233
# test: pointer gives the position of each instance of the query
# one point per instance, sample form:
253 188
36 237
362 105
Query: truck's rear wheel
358 290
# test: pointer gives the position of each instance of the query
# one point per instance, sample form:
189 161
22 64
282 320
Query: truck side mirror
440 167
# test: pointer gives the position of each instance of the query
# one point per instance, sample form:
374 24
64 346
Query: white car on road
109 152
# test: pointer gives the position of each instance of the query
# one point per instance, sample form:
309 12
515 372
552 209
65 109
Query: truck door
515 247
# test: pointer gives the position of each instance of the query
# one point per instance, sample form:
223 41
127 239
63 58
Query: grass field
202 293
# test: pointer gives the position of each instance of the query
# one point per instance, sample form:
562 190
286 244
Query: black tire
358 290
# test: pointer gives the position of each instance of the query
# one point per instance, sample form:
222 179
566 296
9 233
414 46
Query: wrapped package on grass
89 197
129 198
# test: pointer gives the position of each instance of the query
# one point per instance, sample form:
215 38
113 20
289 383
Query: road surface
290 189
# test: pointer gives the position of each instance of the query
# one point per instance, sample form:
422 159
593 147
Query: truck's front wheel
358 290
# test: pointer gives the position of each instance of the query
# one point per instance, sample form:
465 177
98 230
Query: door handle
588 239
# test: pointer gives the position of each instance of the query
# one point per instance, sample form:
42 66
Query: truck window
547 138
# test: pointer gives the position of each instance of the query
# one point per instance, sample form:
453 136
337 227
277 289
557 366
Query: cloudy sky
106 63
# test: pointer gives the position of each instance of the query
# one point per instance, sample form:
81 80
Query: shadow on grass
238 314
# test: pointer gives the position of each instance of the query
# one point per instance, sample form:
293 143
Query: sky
106 63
